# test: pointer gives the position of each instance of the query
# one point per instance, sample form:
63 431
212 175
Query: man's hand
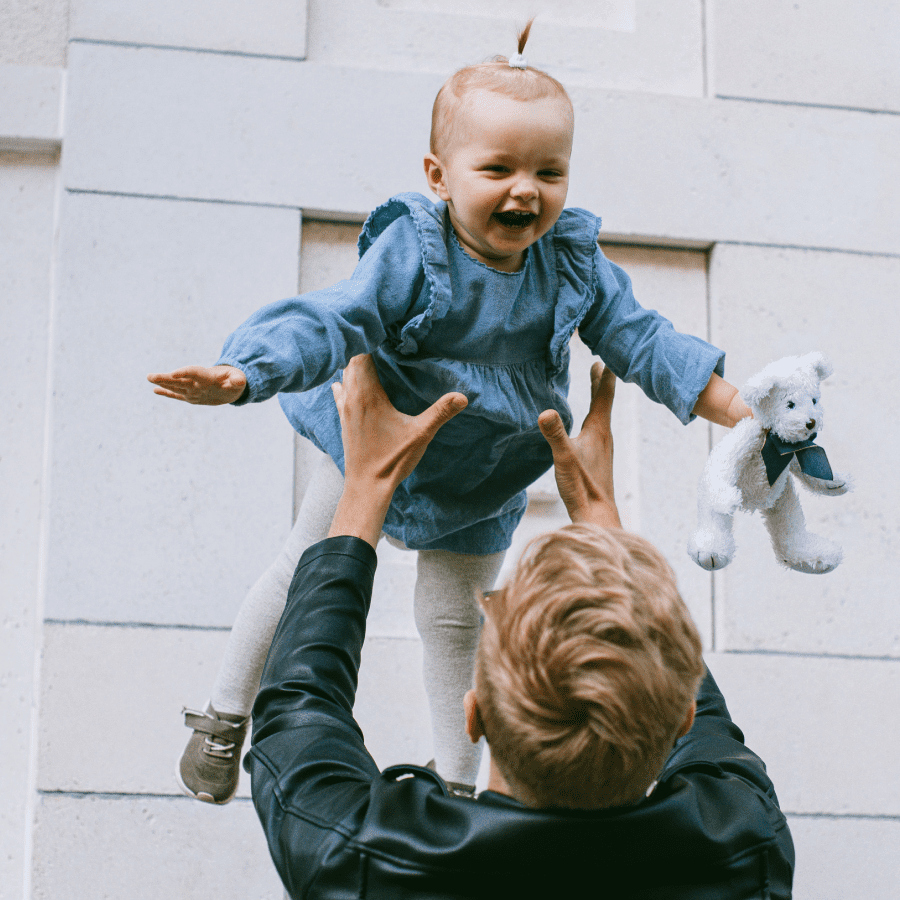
584 466
381 446
199 384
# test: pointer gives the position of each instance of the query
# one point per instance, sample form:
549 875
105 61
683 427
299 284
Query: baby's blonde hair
588 664
496 75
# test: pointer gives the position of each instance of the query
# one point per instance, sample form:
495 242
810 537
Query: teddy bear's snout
811 425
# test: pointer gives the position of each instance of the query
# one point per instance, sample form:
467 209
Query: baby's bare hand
206 386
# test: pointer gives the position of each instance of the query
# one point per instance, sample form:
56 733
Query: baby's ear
434 173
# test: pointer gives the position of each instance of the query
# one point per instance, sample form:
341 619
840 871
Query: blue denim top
437 320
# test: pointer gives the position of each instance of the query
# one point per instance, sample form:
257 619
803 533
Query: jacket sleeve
299 343
642 347
716 745
310 771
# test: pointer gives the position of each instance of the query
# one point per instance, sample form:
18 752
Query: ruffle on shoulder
575 245
430 221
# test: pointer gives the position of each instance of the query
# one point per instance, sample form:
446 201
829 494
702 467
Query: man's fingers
442 411
338 390
552 429
603 392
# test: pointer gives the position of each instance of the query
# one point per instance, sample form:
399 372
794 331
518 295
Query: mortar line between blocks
806 654
807 105
876 817
177 48
160 626
134 195
123 795
877 254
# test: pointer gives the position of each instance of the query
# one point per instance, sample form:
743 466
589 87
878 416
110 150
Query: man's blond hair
496 75
588 664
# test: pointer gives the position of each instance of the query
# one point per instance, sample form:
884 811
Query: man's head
587 670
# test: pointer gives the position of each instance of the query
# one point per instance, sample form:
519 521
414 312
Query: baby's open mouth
514 219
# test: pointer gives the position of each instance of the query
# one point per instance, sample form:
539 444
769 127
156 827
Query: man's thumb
551 426
446 407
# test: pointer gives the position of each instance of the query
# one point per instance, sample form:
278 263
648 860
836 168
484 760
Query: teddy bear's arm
840 484
725 463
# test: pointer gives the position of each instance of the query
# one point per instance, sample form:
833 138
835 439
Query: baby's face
504 173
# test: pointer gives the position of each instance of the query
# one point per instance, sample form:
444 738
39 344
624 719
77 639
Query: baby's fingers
171 394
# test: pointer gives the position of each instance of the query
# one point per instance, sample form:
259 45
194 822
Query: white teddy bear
751 469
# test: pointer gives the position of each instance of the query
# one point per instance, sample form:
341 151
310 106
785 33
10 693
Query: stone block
391 705
30 98
843 305
620 44
111 700
34 34
242 128
829 52
269 27
821 726
163 512
27 191
839 857
149 847
679 169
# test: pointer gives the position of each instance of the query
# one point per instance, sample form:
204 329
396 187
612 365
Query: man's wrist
361 510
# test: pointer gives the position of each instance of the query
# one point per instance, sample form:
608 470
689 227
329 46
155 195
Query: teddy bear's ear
759 386
818 363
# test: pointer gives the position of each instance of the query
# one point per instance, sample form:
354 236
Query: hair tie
518 62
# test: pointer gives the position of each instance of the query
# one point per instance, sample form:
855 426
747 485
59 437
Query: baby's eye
790 404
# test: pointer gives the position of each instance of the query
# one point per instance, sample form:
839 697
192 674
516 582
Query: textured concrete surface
767 131
165 512
27 191
34 34
839 858
620 44
822 738
828 52
266 27
30 98
678 168
107 846
843 305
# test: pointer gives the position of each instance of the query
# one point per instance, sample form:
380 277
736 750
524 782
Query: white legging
446 613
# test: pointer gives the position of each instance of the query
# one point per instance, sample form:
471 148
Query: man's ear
474 728
434 173
688 721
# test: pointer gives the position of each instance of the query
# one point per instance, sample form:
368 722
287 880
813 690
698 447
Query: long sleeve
716 745
641 346
311 773
299 343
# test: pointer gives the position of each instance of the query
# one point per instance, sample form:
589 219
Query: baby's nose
524 187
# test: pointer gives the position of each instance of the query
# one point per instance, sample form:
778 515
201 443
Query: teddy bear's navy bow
777 455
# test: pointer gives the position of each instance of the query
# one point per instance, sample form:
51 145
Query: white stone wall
745 152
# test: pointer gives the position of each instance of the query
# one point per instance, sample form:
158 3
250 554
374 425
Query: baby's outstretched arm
201 384
721 403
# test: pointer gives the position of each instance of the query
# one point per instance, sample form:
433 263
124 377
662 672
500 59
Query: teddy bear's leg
794 546
712 544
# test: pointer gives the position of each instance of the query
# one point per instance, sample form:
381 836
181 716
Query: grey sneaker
455 788
209 768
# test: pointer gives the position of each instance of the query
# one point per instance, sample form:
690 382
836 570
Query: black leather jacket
339 828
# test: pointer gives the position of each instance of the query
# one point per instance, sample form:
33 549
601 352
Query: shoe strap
205 724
